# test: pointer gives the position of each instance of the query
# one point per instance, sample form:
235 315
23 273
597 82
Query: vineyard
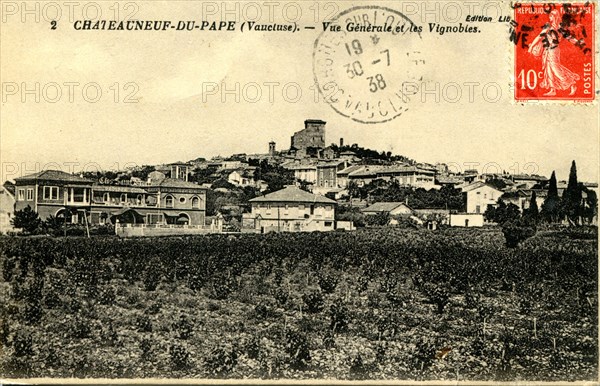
454 304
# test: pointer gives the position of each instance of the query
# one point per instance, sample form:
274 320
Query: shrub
143 323
153 309
313 302
252 347
23 344
263 310
52 300
107 296
222 286
327 282
183 328
518 231
281 296
423 353
151 278
33 312
80 328
52 358
358 369
438 294
4 331
296 346
221 360
179 356
8 267
146 349
339 318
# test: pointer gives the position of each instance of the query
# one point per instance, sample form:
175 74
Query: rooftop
54 175
384 206
293 194
175 183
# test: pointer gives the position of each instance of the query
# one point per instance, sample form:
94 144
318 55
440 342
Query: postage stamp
366 63
554 51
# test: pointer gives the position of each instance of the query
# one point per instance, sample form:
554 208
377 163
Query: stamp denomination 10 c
554 51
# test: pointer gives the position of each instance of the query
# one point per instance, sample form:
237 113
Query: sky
175 95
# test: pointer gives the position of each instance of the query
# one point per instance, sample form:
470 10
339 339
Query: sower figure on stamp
546 44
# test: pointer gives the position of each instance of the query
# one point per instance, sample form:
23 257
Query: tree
516 231
502 213
590 204
27 220
571 200
551 206
378 219
533 212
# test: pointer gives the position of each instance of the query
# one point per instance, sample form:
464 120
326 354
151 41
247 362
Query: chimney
341 142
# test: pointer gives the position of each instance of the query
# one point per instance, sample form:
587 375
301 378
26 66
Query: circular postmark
367 63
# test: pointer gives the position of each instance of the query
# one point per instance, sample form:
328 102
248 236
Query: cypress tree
533 206
550 207
571 200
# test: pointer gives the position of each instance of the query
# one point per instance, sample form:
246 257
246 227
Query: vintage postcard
299 191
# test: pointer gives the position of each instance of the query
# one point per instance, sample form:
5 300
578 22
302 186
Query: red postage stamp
554 51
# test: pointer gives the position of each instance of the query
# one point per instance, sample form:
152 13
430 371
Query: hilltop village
310 186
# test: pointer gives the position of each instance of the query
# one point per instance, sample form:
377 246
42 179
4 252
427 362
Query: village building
414 176
479 195
306 172
390 208
327 173
342 175
180 170
83 201
7 208
292 210
242 177
364 176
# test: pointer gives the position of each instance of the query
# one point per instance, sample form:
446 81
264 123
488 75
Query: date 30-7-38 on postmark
554 51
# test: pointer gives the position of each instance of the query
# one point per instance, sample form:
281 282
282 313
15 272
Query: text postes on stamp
367 63
554 51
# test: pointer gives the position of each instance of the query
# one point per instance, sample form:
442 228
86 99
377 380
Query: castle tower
313 135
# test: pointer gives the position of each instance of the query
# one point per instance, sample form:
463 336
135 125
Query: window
478 209
123 197
21 195
106 197
301 207
50 192
182 200
328 207
169 201
30 194
195 202
328 223
153 218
